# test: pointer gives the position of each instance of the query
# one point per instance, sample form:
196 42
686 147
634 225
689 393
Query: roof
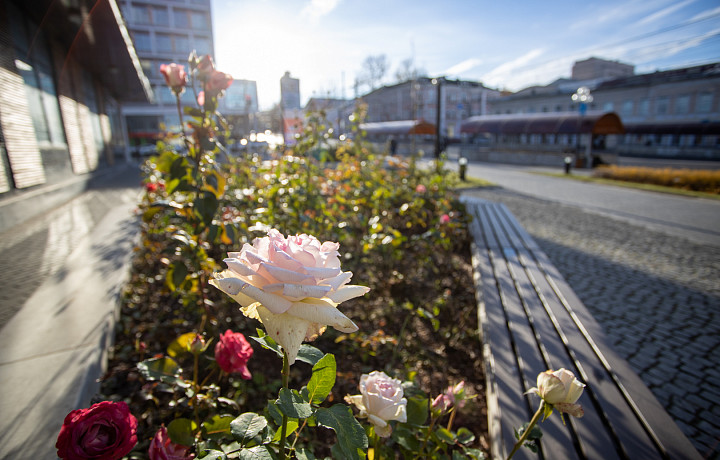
674 127
93 32
544 123
399 127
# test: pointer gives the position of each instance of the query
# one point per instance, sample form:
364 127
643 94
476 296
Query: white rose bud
380 400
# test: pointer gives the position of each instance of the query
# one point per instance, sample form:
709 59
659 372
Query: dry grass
707 181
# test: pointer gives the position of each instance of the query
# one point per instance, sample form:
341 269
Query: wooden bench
531 321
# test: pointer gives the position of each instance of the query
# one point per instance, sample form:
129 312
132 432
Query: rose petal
321 273
377 421
575 391
232 287
241 290
575 410
285 276
288 331
396 412
297 291
356 400
339 280
348 292
322 313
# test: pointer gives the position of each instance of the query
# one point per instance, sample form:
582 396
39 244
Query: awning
398 127
674 127
544 123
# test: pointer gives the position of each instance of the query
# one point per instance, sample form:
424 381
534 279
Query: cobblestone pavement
657 297
34 250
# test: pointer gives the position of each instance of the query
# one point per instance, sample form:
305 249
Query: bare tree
373 71
407 71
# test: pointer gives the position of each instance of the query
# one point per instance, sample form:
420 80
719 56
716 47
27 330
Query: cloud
464 66
318 8
664 12
705 14
504 72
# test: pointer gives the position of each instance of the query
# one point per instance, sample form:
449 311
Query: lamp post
438 85
583 97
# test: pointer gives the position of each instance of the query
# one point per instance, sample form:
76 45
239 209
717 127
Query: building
63 83
337 113
164 32
671 113
593 68
418 100
240 107
289 92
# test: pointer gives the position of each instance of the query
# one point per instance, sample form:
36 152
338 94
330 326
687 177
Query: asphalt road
696 219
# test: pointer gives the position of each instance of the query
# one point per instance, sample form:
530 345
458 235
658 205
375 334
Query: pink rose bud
232 353
162 448
205 67
218 82
106 430
421 188
444 219
175 77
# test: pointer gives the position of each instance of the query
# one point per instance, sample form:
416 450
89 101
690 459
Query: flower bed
201 376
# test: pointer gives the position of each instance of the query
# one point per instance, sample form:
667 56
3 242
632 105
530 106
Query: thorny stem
529 428
285 378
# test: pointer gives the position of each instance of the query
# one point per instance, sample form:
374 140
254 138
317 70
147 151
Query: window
627 108
161 17
202 45
662 105
142 41
141 14
182 44
180 18
608 107
164 43
704 103
682 105
36 70
644 107
199 20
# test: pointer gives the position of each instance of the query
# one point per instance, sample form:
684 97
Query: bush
687 179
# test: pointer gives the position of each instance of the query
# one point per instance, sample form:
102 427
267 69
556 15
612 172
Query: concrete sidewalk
53 348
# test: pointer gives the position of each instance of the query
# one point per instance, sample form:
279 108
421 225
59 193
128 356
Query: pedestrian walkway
61 275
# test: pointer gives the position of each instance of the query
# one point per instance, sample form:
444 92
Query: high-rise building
163 32
289 92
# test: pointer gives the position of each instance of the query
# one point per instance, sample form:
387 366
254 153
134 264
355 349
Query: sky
503 44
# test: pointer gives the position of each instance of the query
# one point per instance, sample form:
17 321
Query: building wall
51 118
164 32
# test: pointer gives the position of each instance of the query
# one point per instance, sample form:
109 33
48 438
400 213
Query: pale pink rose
162 448
292 285
175 77
380 400
421 188
561 390
444 219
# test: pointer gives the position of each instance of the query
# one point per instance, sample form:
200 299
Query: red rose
105 431
161 448
232 353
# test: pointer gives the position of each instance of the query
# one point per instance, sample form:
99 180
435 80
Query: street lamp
437 82
583 97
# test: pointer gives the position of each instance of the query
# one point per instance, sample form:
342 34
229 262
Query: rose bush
380 400
232 353
162 448
105 431
291 285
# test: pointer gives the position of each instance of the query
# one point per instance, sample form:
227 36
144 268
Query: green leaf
267 342
465 436
323 379
475 454
181 431
445 435
164 369
302 453
205 207
217 427
292 404
212 454
417 410
176 275
247 426
309 354
351 435
255 453
406 438
181 344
